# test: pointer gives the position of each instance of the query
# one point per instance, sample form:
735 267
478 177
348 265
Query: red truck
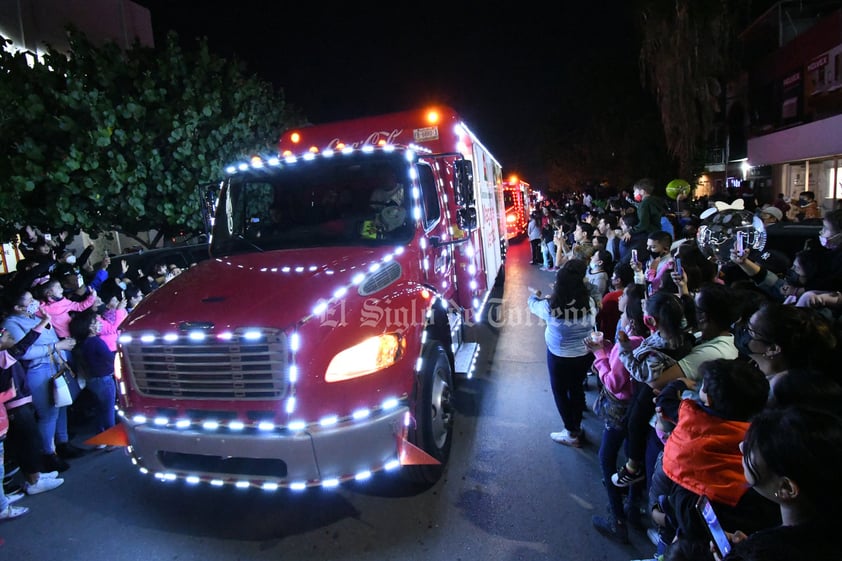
320 342
517 199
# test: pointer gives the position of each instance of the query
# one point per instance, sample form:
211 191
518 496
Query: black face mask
655 254
741 340
792 278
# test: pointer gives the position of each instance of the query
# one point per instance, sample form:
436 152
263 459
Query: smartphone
634 256
678 269
740 243
717 534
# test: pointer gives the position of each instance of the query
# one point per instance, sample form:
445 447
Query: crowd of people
58 310
716 377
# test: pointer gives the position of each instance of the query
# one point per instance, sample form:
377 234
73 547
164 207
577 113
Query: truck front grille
238 368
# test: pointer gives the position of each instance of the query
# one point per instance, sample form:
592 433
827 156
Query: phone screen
678 265
634 256
720 540
740 243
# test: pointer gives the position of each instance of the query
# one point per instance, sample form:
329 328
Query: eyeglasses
752 332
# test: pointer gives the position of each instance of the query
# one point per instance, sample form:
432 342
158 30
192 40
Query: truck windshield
340 201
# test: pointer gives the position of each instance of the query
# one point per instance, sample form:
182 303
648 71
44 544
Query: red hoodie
702 454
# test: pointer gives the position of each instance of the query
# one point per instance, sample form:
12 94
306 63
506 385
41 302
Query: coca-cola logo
373 139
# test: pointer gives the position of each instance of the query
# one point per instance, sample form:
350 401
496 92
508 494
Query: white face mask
70 260
33 307
831 242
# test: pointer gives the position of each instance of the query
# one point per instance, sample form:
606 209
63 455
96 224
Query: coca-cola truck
321 340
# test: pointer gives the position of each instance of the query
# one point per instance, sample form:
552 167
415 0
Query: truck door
438 257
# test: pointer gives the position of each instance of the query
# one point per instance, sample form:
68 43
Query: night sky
514 73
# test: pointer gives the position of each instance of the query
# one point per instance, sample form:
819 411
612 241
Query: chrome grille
214 368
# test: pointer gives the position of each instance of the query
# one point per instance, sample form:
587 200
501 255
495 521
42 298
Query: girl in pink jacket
59 307
617 389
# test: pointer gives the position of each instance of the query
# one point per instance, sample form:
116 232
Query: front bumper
277 458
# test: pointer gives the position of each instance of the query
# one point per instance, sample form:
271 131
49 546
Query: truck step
465 359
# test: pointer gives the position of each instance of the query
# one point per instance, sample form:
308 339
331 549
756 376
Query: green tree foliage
687 54
105 139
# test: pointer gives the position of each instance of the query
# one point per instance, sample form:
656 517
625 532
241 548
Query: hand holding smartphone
678 270
720 540
740 243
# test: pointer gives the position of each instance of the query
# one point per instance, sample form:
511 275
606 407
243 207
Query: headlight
373 354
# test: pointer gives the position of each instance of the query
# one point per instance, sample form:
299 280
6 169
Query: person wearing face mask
803 275
616 392
597 275
52 420
660 263
650 208
779 337
59 307
808 208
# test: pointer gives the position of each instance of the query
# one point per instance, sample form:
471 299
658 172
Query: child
597 276
660 262
615 395
59 307
112 312
702 456
667 344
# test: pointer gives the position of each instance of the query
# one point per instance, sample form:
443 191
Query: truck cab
320 342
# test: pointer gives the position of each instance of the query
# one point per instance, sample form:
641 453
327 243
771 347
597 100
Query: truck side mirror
209 192
468 218
464 171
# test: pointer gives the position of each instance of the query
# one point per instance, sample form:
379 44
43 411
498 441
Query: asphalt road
509 493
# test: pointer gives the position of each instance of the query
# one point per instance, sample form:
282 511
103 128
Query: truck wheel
434 414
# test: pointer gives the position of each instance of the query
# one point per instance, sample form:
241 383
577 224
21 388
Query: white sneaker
13 512
48 475
567 438
15 497
42 486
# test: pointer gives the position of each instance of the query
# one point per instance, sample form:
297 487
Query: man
771 215
582 248
807 208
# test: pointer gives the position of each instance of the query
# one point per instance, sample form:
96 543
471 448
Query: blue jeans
548 253
4 502
104 389
609 452
52 420
567 376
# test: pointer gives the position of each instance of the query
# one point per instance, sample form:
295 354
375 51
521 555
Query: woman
778 337
98 361
790 457
570 314
42 365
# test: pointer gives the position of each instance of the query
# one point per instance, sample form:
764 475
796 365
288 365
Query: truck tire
434 414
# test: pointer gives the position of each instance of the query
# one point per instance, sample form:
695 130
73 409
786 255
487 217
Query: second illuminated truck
319 343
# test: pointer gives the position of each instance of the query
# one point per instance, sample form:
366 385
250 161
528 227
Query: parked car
791 237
